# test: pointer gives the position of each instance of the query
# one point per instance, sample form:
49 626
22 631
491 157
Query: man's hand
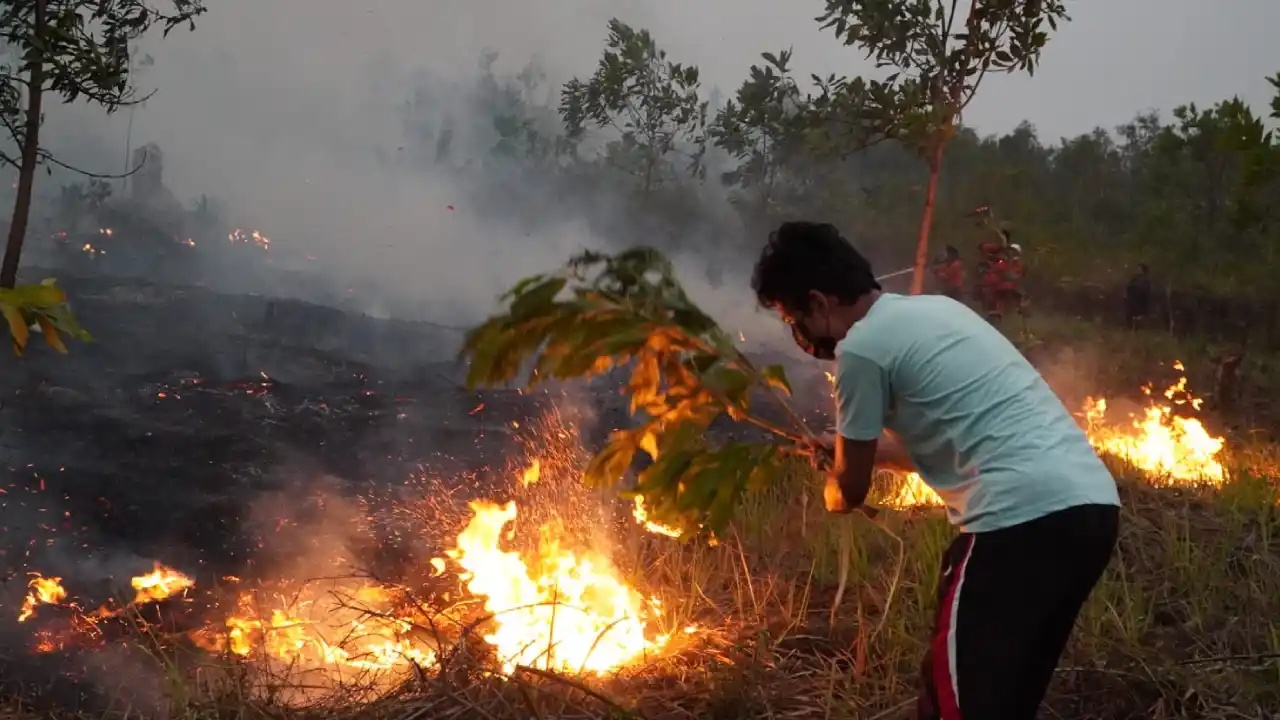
822 451
833 498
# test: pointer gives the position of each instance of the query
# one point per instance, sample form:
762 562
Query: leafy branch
43 306
602 312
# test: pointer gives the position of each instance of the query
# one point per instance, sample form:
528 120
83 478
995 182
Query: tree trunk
926 220
30 158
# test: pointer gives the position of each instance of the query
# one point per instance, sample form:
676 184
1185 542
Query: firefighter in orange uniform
949 272
1008 283
989 271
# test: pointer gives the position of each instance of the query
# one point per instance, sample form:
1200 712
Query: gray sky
1115 57
274 105
259 70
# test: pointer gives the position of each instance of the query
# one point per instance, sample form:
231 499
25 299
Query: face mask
821 348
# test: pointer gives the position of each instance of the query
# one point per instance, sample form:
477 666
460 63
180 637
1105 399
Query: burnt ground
192 415
152 439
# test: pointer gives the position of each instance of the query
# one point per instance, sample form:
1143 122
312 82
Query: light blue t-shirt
985 430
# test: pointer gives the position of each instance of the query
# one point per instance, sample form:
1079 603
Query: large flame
550 607
1166 445
566 612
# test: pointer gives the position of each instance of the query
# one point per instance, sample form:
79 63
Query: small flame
322 631
642 517
41 591
531 474
159 584
241 237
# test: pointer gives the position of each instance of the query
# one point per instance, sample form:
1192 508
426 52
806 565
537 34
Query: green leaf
776 377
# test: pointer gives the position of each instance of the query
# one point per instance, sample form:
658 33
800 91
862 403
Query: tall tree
653 102
74 49
938 59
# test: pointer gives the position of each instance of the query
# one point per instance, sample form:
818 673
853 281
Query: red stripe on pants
943 672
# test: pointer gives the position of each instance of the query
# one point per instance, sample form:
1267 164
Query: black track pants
1007 602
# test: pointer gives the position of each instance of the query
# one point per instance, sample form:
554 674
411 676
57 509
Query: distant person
1137 296
949 272
1010 297
990 269
923 383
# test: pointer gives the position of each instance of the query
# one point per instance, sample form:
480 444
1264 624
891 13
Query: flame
553 608
241 237
159 584
566 613
531 474
642 517
42 591
912 492
327 629
1170 447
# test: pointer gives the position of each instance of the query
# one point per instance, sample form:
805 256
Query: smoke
323 129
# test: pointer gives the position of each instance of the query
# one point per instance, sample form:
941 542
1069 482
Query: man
924 383
991 268
1009 296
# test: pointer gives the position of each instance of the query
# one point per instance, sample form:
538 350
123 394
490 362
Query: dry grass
1186 623
1183 626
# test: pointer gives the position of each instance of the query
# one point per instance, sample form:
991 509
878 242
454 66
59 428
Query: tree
74 49
653 102
762 128
938 62
1211 179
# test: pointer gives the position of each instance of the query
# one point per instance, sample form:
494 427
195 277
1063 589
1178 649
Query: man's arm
862 403
892 455
854 465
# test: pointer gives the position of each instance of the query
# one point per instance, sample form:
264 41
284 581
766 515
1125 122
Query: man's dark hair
802 257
